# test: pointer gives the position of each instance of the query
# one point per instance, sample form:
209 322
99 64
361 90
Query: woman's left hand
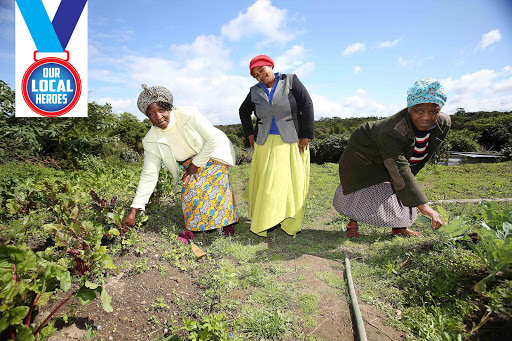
191 174
303 144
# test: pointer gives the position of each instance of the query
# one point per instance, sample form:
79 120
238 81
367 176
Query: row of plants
56 241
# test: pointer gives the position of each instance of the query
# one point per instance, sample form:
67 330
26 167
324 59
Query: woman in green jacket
378 167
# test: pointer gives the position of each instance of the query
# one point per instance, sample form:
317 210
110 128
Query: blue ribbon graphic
51 36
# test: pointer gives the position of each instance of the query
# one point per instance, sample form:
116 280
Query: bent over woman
279 174
184 135
378 167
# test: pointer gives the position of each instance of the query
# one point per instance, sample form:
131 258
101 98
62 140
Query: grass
423 285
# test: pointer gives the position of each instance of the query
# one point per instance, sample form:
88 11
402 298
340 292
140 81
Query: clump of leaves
493 246
212 327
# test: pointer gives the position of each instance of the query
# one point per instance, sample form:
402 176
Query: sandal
185 236
352 231
405 232
229 230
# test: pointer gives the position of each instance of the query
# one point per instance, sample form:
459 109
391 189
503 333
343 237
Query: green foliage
308 303
507 151
462 141
338 126
102 137
31 278
212 327
243 155
328 149
494 129
494 246
268 325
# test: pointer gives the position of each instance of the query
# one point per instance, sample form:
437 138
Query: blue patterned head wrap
426 90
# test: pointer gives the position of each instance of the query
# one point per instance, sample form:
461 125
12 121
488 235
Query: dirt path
334 321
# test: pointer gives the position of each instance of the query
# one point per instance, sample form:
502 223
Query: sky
356 58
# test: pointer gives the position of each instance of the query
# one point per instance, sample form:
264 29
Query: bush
462 141
102 138
328 149
507 151
243 155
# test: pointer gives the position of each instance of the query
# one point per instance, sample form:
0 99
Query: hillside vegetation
107 138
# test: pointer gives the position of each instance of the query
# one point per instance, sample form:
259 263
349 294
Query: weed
140 267
308 303
331 279
160 304
48 331
261 323
90 333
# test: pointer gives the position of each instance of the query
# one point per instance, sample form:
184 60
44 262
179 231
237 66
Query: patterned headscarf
426 90
153 94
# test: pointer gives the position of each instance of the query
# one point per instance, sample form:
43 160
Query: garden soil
145 302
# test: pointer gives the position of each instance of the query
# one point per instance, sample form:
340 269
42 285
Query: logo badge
50 58
51 86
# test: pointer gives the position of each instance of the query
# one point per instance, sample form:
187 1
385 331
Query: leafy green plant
494 239
212 327
160 304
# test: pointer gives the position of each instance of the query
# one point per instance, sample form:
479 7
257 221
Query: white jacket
206 140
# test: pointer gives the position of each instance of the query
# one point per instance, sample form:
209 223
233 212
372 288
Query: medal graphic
51 86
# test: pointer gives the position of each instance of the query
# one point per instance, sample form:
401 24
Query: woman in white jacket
184 135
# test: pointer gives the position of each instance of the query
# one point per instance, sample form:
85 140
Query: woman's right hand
129 220
437 219
251 140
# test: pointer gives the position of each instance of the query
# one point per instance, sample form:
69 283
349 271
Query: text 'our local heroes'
51 88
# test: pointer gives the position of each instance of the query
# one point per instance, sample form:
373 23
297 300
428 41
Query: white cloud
358 105
353 48
294 60
205 54
471 83
197 74
357 69
489 39
388 43
484 90
507 69
503 85
403 62
325 107
120 105
305 69
414 61
261 19
361 105
106 74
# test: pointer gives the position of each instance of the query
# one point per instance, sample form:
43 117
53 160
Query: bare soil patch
335 321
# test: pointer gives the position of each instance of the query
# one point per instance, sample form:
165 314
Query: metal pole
355 306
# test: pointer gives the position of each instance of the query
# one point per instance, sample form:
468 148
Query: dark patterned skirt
376 205
209 203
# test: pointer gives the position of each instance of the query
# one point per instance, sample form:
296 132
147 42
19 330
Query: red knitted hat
260 60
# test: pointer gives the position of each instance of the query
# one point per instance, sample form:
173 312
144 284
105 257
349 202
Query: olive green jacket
379 151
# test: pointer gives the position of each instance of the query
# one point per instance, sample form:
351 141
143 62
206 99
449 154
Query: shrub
462 141
328 149
243 155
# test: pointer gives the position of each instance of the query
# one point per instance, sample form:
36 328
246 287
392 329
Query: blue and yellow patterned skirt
209 203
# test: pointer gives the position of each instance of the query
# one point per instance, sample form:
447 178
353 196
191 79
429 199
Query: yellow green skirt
278 185
209 203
